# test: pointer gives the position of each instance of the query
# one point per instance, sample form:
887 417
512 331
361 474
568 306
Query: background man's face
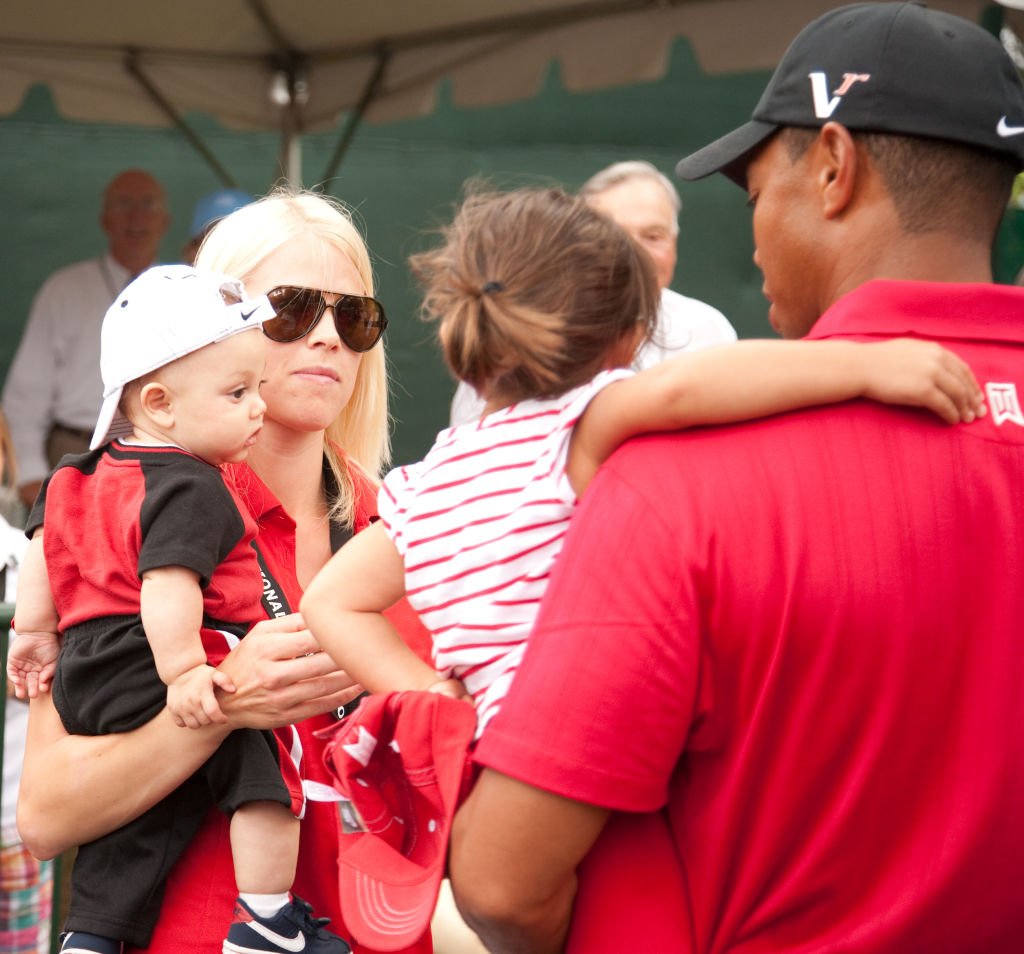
135 218
644 211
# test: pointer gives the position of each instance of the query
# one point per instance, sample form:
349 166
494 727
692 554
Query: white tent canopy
303 65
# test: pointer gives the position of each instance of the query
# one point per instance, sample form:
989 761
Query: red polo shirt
803 636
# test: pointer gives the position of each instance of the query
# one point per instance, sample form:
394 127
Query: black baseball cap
883 67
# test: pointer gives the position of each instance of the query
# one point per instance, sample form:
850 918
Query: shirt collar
260 501
258 498
118 272
927 309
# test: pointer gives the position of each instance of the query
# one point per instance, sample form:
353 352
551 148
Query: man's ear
155 404
837 168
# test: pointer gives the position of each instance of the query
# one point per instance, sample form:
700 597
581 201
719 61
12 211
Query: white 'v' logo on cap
824 105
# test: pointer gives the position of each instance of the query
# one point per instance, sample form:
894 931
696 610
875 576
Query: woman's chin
314 417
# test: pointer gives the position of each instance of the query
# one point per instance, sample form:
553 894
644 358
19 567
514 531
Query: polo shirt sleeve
187 519
601 706
393 502
575 402
571 406
37 515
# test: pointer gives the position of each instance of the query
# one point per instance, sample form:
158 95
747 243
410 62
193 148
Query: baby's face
215 395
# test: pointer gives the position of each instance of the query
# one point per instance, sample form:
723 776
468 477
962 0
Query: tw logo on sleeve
1003 404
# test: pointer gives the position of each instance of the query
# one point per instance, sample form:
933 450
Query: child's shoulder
170 467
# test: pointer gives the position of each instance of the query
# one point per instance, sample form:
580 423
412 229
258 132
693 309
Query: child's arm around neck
751 379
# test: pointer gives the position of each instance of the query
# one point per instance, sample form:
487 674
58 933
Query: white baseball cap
164 314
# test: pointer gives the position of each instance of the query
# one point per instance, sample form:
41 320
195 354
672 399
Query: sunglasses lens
360 321
295 312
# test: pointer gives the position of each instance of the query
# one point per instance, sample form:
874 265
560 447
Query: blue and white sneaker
292 930
79 942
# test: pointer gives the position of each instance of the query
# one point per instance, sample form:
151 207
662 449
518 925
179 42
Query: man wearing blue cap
800 638
208 211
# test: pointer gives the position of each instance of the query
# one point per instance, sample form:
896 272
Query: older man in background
646 205
53 389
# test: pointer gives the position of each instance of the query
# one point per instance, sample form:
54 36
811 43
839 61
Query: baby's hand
191 698
451 687
31 662
923 374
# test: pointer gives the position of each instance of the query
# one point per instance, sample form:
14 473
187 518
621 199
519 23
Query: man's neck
134 265
923 257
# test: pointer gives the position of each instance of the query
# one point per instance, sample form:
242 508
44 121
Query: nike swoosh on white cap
1005 130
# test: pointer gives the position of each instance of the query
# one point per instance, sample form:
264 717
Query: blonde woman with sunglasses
310 483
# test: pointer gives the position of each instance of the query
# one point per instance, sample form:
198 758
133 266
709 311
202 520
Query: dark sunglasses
360 321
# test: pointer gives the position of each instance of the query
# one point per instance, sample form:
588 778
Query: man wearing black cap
801 638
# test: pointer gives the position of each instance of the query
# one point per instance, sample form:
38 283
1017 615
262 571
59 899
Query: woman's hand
281 676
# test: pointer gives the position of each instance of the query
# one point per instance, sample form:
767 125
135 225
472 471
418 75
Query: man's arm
513 862
599 710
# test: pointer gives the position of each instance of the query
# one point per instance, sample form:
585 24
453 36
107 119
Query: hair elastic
492 286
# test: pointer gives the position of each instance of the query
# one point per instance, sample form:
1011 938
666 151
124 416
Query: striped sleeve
393 502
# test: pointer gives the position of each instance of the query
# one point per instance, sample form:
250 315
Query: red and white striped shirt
479 522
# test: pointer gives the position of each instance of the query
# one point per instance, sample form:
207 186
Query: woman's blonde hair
534 291
241 242
9 475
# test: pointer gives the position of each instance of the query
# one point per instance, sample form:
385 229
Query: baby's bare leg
265 847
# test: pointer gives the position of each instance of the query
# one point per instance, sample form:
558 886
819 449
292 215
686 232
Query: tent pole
355 117
131 65
290 92
289 161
